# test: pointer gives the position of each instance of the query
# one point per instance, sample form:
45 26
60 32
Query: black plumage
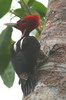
24 56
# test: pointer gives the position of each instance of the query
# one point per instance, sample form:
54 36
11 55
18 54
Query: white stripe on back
15 47
21 43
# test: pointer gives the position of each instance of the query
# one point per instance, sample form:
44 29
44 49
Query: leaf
40 8
5 42
37 35
26 1
20 12
8 76
30 2
4 7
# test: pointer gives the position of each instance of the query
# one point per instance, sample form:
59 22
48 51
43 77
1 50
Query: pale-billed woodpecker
24 53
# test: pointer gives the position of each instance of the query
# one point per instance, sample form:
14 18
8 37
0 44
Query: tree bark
51 69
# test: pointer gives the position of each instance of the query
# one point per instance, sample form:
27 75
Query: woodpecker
25 52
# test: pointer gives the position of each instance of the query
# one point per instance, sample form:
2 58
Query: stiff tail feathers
28 85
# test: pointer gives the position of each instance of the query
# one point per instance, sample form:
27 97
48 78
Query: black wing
23 58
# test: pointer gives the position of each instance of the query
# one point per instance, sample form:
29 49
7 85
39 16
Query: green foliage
30 7
8 76
4 7
30 2
27 7
20 12
40 8
5 42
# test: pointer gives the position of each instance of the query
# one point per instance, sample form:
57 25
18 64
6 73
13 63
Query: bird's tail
28 82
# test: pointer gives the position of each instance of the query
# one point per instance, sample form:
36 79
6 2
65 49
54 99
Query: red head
28 23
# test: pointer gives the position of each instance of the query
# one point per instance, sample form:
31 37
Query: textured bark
51 69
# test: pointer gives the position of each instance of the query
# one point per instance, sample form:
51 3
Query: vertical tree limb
51 70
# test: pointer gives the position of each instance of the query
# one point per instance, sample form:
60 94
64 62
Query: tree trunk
51 70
